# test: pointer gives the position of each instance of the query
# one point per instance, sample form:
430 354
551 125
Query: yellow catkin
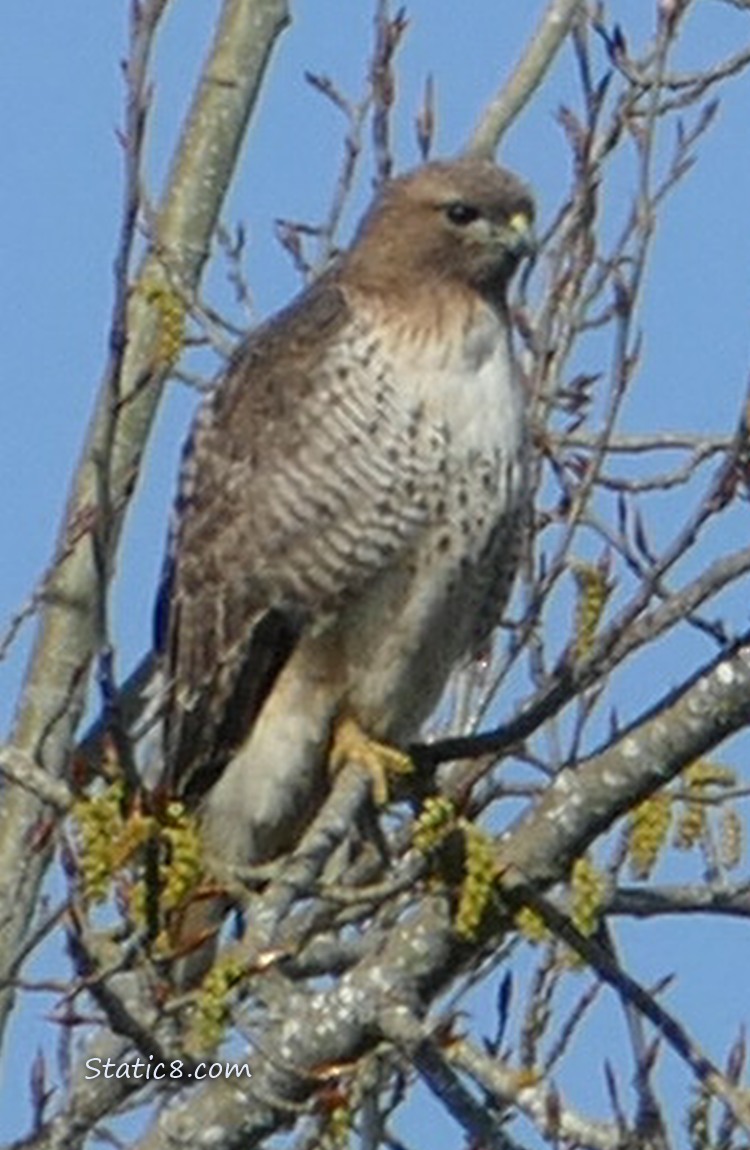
699 780
172 315
691 826
113 844
437 818
649 827
180 871
588 887
731 839
587 891
337 1130
531 926
212 1012
99 823
479 882
594 589
183 870
137 829
705 773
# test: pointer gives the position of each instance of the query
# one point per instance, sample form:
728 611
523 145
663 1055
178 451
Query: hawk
348 511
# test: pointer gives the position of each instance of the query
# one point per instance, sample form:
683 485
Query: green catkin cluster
731 839
704 773
532 926
172 315
479 881
436 822
108 839
649 828
212 1012
588 887
113 842
437 819
180 870
688 809
594 590
698 780
183 870
338 1128
691 825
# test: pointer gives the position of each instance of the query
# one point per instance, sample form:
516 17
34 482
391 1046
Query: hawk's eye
461 213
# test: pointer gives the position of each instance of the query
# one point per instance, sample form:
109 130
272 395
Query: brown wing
298 485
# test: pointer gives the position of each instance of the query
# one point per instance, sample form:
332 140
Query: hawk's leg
350 744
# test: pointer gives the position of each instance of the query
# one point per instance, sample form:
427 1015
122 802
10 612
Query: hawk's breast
462 399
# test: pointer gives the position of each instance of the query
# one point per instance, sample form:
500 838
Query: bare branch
526 78
65 644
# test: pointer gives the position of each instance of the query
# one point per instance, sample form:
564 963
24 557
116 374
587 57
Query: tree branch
55 684
526 78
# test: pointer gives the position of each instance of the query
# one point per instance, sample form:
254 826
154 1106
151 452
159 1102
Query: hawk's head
467 222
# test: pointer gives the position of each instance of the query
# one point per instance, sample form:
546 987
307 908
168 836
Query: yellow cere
520 222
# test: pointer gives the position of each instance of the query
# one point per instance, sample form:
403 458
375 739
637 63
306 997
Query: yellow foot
351 745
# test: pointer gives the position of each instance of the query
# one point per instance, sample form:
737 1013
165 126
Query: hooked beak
518 235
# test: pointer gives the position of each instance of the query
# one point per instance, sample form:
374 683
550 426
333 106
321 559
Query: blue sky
60 196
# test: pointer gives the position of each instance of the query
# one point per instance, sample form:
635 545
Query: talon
351 745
